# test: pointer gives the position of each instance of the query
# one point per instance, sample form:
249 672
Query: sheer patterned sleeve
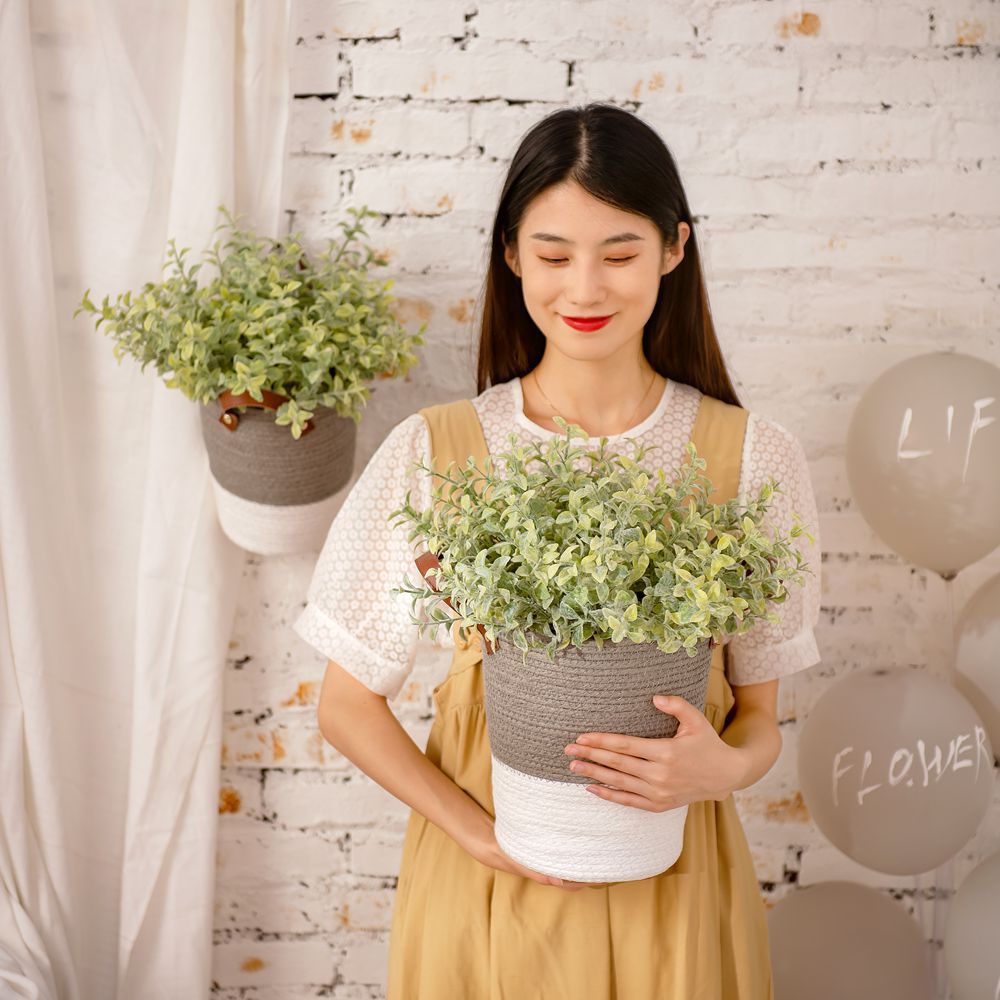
770 650
350 616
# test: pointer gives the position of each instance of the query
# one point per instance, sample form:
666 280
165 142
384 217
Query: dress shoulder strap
455 435
718 434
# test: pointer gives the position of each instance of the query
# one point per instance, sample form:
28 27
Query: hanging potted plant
277 348
595 584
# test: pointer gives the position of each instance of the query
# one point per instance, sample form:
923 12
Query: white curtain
122 123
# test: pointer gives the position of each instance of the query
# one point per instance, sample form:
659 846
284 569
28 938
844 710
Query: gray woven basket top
536 706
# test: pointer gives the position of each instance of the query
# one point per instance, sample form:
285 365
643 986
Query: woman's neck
603 401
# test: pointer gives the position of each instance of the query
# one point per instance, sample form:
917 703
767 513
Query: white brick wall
843 162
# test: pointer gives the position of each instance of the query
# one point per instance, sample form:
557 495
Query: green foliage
271 318
547 551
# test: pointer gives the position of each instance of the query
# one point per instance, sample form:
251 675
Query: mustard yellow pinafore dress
463 931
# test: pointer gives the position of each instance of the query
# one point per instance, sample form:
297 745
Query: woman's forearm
755 734
366 731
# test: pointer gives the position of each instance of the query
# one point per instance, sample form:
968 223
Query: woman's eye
562 260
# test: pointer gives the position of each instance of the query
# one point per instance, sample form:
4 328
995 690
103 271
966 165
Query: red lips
586 322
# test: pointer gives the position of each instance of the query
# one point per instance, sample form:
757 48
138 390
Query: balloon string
949 587
944 876
947 870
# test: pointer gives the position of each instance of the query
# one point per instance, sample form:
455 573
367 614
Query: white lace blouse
351 617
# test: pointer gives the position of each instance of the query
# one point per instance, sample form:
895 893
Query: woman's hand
481 843
693 765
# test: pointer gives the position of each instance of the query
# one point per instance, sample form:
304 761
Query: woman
595 310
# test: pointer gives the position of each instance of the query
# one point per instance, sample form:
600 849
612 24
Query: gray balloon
977 656
840 940
972 934
923 459
896 768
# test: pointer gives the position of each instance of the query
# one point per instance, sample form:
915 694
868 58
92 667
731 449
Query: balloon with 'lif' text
923 459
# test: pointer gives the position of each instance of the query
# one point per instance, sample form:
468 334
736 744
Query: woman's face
579 257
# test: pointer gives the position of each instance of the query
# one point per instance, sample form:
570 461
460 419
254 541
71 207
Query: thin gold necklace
628 424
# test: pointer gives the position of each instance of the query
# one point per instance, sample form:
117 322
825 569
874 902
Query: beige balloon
923 459
972 934
977 655
840 940
896 768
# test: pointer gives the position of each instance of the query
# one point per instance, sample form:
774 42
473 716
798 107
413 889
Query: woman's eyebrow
553 238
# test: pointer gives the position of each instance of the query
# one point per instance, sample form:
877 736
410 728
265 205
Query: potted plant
277 347
595 583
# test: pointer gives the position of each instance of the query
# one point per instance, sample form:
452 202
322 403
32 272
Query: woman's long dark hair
616 157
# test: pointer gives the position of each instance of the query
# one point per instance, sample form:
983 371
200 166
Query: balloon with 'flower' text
896 768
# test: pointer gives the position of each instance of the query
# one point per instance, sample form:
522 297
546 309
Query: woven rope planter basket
276 495
545 817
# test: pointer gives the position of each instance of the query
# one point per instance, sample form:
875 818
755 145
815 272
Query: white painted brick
289 992
836 364
805 139
850 247
372 19
357 133
376 855
848 532
272 963
305 799
966 23
739 305
565 23
437 244
426 188
285 687
769 862
820 27
318 68
462 75
367 959
498 128
247 910
368 909
261 855
936 83
239 794
312 184
975 139
357 991
913 193
895 301
665 82
870 584
683 139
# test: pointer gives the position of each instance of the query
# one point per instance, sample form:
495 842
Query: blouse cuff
756 664
336 643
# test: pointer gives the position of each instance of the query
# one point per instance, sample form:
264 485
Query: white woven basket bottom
272 530
559 828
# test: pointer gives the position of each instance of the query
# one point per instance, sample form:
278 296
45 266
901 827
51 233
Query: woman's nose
584 285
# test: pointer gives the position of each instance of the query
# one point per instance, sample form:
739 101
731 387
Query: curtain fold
121 125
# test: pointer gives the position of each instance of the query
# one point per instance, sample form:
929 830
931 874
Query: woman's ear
672 256
510 255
